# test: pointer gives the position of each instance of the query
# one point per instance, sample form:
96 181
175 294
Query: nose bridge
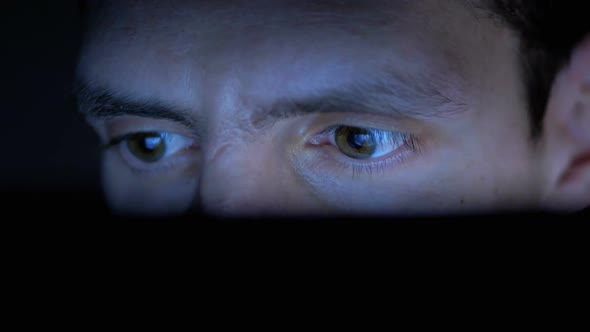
242 169
236 180
228 172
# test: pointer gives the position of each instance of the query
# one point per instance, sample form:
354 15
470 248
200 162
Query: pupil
148 147
360 139
357 143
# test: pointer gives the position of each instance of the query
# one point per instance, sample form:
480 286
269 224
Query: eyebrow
402 96
102 103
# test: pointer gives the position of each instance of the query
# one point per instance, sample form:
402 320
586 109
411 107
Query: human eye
364 149
149 151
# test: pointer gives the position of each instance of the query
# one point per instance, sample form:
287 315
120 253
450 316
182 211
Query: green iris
357 143
147 146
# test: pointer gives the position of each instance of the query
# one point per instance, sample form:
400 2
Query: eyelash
357 167
405 142
137 165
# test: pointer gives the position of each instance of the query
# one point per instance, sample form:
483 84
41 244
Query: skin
223 64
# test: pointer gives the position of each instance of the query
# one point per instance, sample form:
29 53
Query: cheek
147 194
498 169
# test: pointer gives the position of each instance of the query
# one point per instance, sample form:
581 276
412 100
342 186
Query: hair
549 31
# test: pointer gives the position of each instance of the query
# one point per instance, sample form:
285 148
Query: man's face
305 107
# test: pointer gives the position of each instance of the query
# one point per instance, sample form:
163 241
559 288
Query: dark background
48 150
47 144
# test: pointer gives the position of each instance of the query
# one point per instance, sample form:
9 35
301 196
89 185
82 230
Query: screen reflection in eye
150 147
365 143
154 150
362 150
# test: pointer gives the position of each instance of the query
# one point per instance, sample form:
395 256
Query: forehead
176 49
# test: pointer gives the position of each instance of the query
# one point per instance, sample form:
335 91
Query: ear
566 137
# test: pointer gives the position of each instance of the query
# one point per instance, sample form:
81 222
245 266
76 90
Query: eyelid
169 160
167 136
119 127
116 140
383 136
333 157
